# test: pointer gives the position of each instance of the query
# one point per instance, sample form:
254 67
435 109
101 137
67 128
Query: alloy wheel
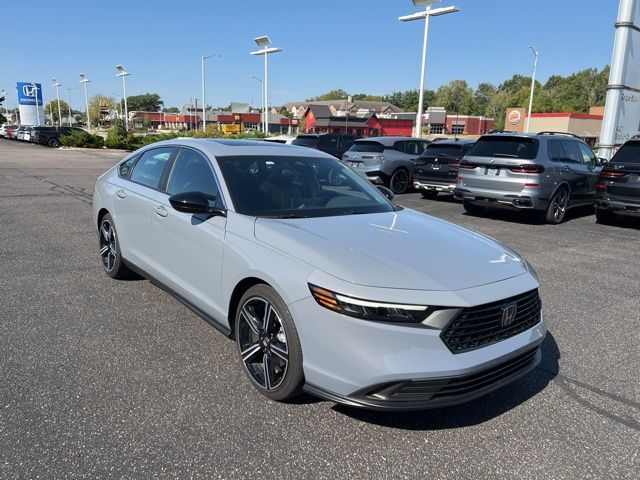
399 181
108 246
560 205
263 343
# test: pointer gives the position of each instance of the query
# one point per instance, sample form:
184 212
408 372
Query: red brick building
468 125
319 119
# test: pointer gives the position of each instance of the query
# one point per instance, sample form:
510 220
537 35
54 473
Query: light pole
533 84
264 42
122 72
426 14
69 101
203 57
262 94
84 80
6 103
57 84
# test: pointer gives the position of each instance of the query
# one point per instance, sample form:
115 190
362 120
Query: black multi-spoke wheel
268 343
399 181
558 206
109 252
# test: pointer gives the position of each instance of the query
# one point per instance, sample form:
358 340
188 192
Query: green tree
51 108
147 102
337 94
456 97
285 112
171 110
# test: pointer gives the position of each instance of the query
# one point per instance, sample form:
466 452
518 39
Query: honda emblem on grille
508 314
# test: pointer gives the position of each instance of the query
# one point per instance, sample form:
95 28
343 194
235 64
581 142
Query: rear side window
628 153
311 142
571 151
555 150
328 141
347 142
413 148
371 147
508 147
149 169
125 167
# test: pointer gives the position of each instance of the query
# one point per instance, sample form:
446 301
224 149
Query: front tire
112 261
53 142
399 182
268 344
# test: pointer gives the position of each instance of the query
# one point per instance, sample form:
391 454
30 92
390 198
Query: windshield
628 153
373 147
298 187
508 147
445 150
311 142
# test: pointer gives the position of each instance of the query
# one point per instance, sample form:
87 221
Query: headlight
368 309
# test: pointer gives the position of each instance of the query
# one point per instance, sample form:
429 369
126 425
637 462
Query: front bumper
422 394
345 359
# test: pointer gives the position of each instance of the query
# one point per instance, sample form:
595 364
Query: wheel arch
234 300
101 213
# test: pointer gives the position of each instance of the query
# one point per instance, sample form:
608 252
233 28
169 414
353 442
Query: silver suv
388 161
548 172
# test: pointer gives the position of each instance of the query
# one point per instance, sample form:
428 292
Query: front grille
447 390
477 327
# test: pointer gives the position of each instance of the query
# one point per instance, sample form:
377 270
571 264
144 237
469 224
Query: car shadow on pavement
527 217
475 412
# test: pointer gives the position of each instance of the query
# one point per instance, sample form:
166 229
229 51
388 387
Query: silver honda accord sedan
326 288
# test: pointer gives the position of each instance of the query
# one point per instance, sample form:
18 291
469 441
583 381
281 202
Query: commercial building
320 119
352 107
587 126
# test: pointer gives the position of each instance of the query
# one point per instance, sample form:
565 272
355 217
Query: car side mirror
601 161
386 192
195 202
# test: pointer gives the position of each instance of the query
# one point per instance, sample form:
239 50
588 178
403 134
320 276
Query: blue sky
356 45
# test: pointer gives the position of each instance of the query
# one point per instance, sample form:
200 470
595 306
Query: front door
574 171
190 246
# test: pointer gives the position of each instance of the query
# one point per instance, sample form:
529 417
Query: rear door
574 171
134 202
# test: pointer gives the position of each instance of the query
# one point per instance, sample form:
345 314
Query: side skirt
214 323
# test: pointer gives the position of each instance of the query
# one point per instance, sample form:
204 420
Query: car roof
386 140
451 141
227 147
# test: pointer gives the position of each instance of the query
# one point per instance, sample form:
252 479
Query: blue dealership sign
29 93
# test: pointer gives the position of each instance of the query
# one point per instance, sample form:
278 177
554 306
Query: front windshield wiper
291 215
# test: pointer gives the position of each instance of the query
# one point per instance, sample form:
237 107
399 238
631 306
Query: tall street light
203 57
69 101
264 42
533 84
426 14
262 95
122 72
57 84
84 80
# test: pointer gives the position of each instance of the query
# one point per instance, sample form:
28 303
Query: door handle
160 211
121 193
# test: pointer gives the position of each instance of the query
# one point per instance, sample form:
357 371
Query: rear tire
53 143
557 208
429 195
605 217
472 208
268 344
400 181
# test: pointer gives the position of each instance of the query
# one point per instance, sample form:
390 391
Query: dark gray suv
548 172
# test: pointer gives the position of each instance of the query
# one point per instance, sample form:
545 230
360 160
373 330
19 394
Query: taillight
467 165
454 166
609 172
527 168
414 179
601 186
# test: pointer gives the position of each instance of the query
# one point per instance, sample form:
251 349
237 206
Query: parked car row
48 135
546 172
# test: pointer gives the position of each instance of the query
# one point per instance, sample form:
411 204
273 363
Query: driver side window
192 173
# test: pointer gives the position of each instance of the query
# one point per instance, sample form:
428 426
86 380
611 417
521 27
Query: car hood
404 249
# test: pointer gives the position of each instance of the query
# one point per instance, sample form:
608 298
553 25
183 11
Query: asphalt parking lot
102 378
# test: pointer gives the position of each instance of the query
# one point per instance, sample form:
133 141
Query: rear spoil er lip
360 400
